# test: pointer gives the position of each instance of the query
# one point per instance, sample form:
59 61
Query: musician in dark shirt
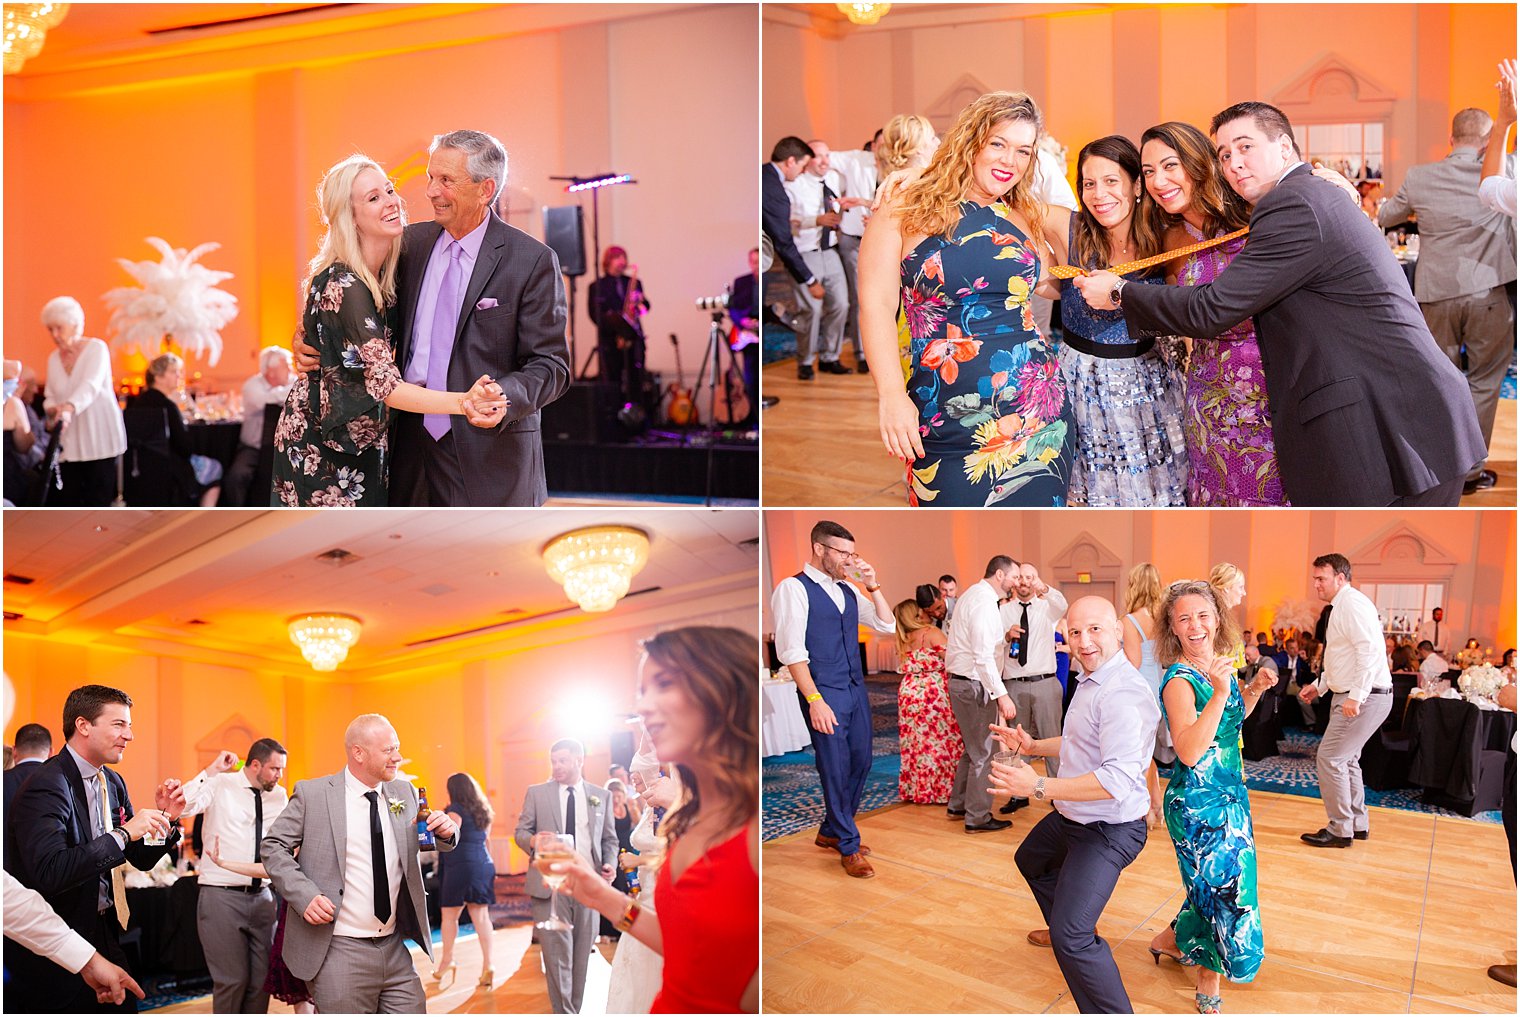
744 312
617 303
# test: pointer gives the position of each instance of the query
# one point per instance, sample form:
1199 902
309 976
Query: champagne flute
550 847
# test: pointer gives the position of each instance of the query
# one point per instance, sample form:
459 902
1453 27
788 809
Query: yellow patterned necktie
1071 271
118 879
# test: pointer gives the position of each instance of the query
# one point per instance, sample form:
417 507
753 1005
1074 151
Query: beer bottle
425 839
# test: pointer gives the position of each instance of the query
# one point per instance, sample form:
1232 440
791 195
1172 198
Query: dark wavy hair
1221 208
1169 647
466 798
716 667
1091 247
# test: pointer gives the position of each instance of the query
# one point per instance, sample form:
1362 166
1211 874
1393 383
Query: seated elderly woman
22 449
81 398
201 477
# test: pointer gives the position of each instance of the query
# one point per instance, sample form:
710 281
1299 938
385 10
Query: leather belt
237 889
1385 691
1028 677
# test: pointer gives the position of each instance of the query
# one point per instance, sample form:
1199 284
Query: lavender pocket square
486 303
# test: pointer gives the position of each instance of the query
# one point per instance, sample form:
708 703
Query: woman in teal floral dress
983 418
1208 812
330 444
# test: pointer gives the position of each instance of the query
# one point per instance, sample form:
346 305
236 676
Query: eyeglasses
836 550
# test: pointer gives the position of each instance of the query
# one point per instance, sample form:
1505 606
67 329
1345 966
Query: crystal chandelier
324 639
864 13
26 27
596 564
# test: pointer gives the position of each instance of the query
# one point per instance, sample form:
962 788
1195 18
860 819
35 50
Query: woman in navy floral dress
983 418
330 444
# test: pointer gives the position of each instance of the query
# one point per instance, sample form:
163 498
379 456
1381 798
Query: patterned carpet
792 801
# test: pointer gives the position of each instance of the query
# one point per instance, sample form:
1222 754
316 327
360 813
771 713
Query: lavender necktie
441 341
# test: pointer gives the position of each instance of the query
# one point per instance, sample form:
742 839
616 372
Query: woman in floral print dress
983 419
330 445
928 736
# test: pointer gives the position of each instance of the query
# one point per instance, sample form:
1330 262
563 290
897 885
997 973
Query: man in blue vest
818 616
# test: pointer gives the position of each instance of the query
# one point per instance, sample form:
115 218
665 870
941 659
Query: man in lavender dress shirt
1073 857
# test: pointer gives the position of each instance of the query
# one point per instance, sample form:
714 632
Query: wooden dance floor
519 980
822 445
1405 922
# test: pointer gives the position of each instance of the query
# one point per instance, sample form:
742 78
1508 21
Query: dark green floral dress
330 445
1208 815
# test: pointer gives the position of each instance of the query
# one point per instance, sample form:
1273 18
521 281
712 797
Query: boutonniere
594 800
397 806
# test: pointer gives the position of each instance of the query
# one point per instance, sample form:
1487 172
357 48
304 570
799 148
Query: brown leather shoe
1040 937
857 866
1503 973
832 843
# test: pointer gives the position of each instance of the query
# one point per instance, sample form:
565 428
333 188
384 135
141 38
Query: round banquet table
782 727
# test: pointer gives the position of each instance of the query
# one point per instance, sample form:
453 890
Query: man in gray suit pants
567 804
356 890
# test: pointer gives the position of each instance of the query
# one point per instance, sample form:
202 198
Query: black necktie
377 859
1023 633
570 812
258 831
1436 642
826 239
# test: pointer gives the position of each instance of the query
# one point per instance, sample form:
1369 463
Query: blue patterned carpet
792 801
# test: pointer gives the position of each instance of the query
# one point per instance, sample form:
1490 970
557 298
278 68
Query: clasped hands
484 405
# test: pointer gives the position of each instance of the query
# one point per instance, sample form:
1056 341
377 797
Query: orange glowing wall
1274 549
230 148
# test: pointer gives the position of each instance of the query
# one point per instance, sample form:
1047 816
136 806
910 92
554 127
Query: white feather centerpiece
1296 615
175 298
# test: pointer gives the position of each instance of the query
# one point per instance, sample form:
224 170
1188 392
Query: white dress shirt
97 431
356 912
853 175
258 393
975 634
1427 630
31 922
227 801
789 604
1354 651
1050 184
1044 612
806 192
584 837
1433 667
1110 732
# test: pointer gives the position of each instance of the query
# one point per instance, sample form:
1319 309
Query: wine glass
550 847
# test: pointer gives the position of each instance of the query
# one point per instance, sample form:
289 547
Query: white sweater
97 431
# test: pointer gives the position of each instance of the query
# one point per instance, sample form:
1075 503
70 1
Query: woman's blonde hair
1223 575
335 200
1169 646
1143 590
910 619
900 141
931 207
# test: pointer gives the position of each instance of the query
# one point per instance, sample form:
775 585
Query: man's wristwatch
1039 789
1116 294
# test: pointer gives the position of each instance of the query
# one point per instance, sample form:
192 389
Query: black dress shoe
1482 482
861 367
832 367
1014 805
955 813
989 826
1359 834
1325 839
804 372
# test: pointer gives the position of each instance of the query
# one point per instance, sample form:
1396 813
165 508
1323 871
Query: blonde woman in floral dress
983 418
331 443
927 733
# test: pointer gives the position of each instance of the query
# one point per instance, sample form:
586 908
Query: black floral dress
330 445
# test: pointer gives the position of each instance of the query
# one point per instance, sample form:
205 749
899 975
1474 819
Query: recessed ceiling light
101 529
394 536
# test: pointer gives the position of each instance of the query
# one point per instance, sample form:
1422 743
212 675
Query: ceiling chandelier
596 564
26 27
324 639
864 13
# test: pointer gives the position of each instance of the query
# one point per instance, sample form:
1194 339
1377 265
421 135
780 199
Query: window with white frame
1402 606
1353 150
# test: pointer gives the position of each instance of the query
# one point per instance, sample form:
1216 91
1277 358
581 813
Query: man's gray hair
487 158
269 354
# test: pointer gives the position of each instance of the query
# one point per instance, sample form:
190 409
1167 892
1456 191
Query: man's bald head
1093 626
373 748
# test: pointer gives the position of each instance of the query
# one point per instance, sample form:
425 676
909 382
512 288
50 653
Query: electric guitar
682 409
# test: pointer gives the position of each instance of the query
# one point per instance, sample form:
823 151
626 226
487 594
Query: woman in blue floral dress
1207 809
330 444
983 418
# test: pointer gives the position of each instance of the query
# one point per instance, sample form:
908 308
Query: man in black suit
744 312
788 159
1365 408
69 829
34 743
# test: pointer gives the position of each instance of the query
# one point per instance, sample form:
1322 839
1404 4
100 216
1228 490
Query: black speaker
565 231
580 416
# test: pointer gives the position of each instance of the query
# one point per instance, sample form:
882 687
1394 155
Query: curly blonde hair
901 139
1169 647
931 207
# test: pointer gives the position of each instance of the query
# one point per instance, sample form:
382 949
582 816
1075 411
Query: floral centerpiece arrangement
1481 683
175 299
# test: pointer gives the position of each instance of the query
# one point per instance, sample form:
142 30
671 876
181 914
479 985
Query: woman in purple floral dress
1232 460
330 445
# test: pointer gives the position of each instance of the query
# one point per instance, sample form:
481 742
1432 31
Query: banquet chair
152 473
263 474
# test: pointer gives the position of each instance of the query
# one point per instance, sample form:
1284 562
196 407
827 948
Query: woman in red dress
929 740
697 698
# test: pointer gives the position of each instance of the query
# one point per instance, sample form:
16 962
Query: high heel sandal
439 973
1156 956
486 978
1207 1003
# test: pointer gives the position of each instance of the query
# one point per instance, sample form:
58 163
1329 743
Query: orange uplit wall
229 147
493 718
1105 69
1273 548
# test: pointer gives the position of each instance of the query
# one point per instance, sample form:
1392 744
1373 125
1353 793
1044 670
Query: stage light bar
592 183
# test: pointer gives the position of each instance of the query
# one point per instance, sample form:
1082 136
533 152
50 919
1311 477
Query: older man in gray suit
1467 256
356 889
567 804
